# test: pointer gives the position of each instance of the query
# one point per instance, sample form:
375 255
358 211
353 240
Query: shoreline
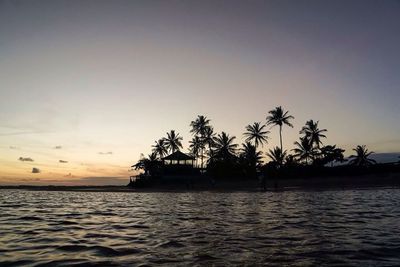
370 181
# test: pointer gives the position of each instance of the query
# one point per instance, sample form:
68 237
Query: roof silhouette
178 155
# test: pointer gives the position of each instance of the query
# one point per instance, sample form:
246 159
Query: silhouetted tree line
221 157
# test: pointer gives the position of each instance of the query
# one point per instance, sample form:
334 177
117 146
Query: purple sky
95 77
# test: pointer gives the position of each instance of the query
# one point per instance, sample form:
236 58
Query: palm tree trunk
202 157
280 135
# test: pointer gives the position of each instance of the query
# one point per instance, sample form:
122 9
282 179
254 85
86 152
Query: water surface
297 228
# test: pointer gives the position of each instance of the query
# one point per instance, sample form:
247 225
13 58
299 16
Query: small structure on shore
179 164
178 158
177 167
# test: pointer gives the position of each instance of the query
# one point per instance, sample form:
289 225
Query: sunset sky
86 86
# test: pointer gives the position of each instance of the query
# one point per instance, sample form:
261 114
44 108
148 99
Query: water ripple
330 228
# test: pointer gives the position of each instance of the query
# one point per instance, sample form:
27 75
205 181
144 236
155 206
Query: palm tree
330 153
250 159
312 133
209 137
160 148
199 127
279 117
361 157
149 164
224 146
277 156
250 154
257 133
173 141
291 161
304 150
140 165
196 145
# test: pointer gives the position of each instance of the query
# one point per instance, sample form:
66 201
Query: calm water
335 228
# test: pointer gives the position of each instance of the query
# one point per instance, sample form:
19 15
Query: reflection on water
352 227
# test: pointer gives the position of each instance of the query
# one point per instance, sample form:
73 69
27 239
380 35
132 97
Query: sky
87 86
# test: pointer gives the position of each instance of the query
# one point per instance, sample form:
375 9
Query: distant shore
314 183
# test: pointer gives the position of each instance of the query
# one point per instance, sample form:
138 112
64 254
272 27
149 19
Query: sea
288 228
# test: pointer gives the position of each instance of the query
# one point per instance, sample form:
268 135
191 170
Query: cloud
105 153
35 170
62 161
13 147
57 147
25 159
